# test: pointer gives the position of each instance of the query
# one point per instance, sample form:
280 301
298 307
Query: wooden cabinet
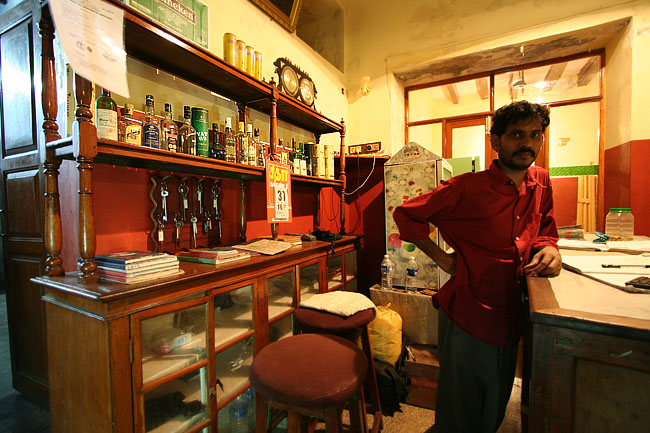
172 355
590 362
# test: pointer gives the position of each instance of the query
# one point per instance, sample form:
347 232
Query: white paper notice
92 36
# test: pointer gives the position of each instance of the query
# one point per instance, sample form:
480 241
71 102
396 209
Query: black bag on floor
392 383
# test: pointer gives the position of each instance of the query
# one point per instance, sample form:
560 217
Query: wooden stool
311 374
316 321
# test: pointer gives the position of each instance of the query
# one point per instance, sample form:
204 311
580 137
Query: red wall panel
565 199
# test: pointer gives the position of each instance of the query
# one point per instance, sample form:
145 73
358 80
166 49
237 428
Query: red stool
314 375
321 322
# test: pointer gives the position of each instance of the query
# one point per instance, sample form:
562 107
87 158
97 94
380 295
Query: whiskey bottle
252 147
151 125
106 112
217 150
187 133
261 151
129 129
303 159
242 145
169 131
229 139
294 158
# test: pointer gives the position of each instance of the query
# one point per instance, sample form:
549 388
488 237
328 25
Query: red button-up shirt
494 229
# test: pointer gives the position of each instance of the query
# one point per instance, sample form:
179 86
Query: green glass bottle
106 112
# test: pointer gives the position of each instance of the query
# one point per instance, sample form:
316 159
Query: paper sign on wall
92 37
278 192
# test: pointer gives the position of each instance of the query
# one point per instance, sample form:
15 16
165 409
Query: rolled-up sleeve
413 217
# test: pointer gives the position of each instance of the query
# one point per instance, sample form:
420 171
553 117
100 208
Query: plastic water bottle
250 402
386 273
411 275
238 415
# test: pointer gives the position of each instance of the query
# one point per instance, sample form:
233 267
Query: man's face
520 143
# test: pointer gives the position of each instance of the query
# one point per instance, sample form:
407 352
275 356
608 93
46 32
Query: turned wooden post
342 177
51 164
273 141
84 141
242 210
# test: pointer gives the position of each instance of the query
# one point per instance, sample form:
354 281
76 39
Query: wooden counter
590 357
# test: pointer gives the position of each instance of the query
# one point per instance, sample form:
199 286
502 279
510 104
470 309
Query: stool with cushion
311 374
309 320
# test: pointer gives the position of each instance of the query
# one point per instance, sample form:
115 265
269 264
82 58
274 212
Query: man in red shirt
501 226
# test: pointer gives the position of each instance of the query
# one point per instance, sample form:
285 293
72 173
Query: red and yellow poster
278 192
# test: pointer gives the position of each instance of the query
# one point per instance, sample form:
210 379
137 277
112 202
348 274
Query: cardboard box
189 18
423 370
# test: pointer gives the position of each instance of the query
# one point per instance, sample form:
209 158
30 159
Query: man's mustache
531 151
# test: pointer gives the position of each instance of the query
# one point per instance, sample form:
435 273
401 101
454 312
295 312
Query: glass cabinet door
281 328
178 405
309 284
172 341
280 292
233 314
233 367
334 272
350 265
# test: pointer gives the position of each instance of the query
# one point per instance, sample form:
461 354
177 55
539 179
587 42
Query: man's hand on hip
546 262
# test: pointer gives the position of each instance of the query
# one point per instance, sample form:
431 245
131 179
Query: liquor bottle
169 131
231 144
242 145
200 124
187 133
129 129
217 150
303 160
309 158
252 147
106 112
261 149
151 125
294 162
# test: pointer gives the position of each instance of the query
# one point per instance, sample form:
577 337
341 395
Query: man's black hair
515 112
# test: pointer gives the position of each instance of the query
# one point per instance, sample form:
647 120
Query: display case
310 280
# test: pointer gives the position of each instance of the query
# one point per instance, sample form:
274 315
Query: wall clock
294 82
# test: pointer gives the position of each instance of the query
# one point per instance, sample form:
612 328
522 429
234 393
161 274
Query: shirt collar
502 179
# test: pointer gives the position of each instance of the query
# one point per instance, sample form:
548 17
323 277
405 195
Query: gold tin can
229 53
250 59
240 57
257 71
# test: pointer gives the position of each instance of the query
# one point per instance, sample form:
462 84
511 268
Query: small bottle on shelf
303 159
386 273
411 275
187 133
151 125
129 128
106 112
252 148
261 150
169 131
229 139
217 150
294 161
242 145
200 124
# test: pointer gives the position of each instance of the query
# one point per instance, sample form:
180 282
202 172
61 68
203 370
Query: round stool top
309 370
310 320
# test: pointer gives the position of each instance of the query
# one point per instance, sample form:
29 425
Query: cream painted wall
381 38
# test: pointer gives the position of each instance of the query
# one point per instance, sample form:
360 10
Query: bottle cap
385 256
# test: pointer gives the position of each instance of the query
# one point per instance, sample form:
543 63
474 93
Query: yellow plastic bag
385 333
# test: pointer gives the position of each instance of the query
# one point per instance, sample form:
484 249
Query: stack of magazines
130 267
214 256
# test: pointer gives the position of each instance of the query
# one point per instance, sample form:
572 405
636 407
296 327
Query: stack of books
131 267
213 256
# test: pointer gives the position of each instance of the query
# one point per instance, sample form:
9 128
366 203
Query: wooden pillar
273 139
342 177
318 190
84 141
242 210
52 229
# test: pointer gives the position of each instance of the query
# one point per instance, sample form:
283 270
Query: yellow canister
229 42
240 56
257 70
250 59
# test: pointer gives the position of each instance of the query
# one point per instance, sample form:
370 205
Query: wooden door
460 130
22 187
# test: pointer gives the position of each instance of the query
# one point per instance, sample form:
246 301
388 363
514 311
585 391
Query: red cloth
495 229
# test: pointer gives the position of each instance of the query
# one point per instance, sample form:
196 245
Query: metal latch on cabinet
213 391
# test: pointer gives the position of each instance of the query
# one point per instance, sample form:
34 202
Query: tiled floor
17 414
